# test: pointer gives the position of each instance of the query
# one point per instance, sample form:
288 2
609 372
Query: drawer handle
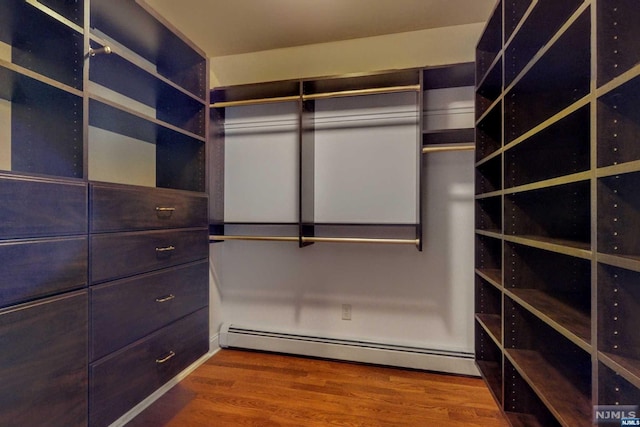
164 212
165 298
166 358
165 249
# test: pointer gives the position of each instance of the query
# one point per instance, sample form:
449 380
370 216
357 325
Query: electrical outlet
346 311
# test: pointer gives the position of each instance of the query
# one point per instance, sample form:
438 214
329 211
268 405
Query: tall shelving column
488 263
618 180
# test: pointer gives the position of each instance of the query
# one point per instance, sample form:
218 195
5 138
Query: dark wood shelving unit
347 106
71 108
557 178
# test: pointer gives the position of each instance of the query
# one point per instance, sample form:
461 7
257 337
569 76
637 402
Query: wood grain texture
241 388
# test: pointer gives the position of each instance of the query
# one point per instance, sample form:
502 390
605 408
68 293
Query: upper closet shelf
142 30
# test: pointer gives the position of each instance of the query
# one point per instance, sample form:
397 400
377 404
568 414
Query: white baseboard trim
136 410
453 362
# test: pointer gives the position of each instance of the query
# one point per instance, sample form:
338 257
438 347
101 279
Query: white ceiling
227 27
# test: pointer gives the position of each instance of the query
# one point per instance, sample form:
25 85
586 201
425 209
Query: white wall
398 295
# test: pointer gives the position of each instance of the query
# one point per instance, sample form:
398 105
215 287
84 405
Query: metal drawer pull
164 212
166 358
165 298
166 249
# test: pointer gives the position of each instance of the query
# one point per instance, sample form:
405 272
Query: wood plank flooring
242 388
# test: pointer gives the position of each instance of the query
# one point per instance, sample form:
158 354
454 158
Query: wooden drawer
125 378
38 208
129 208
127 310
37 268
43 362
118 255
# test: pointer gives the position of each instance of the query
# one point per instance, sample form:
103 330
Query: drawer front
37 268
125 378
120 255
128 208
127 310
43 362
39 208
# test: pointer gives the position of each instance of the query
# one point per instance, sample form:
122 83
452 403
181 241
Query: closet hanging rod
318 239
357 92
313 96
359 240
258 101
442 148
259 238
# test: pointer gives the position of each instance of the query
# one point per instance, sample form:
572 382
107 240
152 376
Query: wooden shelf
558 79
558 150
619 210
561 246
493 276
627 367
490 44
617 32
171 103
489 176
563 317
489 214
492 323
552 387
175 58
522 420
489 89
492 374
489 132
55 50
541 23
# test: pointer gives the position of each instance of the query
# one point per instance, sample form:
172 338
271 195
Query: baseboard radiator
234 336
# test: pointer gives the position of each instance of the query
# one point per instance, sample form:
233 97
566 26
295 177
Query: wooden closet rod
439 149
318 239
324 95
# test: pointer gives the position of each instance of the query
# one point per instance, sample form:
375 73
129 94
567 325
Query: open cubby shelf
491 275
489 214
619 125
489 360
618 42
553 367
54 50
615 389
558 79
561 294
543 21
561 212
490 44
488 308
489 132
618 317
489 90
513 13
489 176
560 149
522 406
175 59
618 215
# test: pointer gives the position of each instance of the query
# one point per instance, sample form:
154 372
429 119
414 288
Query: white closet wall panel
366 159
261 163
449 108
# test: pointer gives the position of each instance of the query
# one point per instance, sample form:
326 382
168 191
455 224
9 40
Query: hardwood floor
241 388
